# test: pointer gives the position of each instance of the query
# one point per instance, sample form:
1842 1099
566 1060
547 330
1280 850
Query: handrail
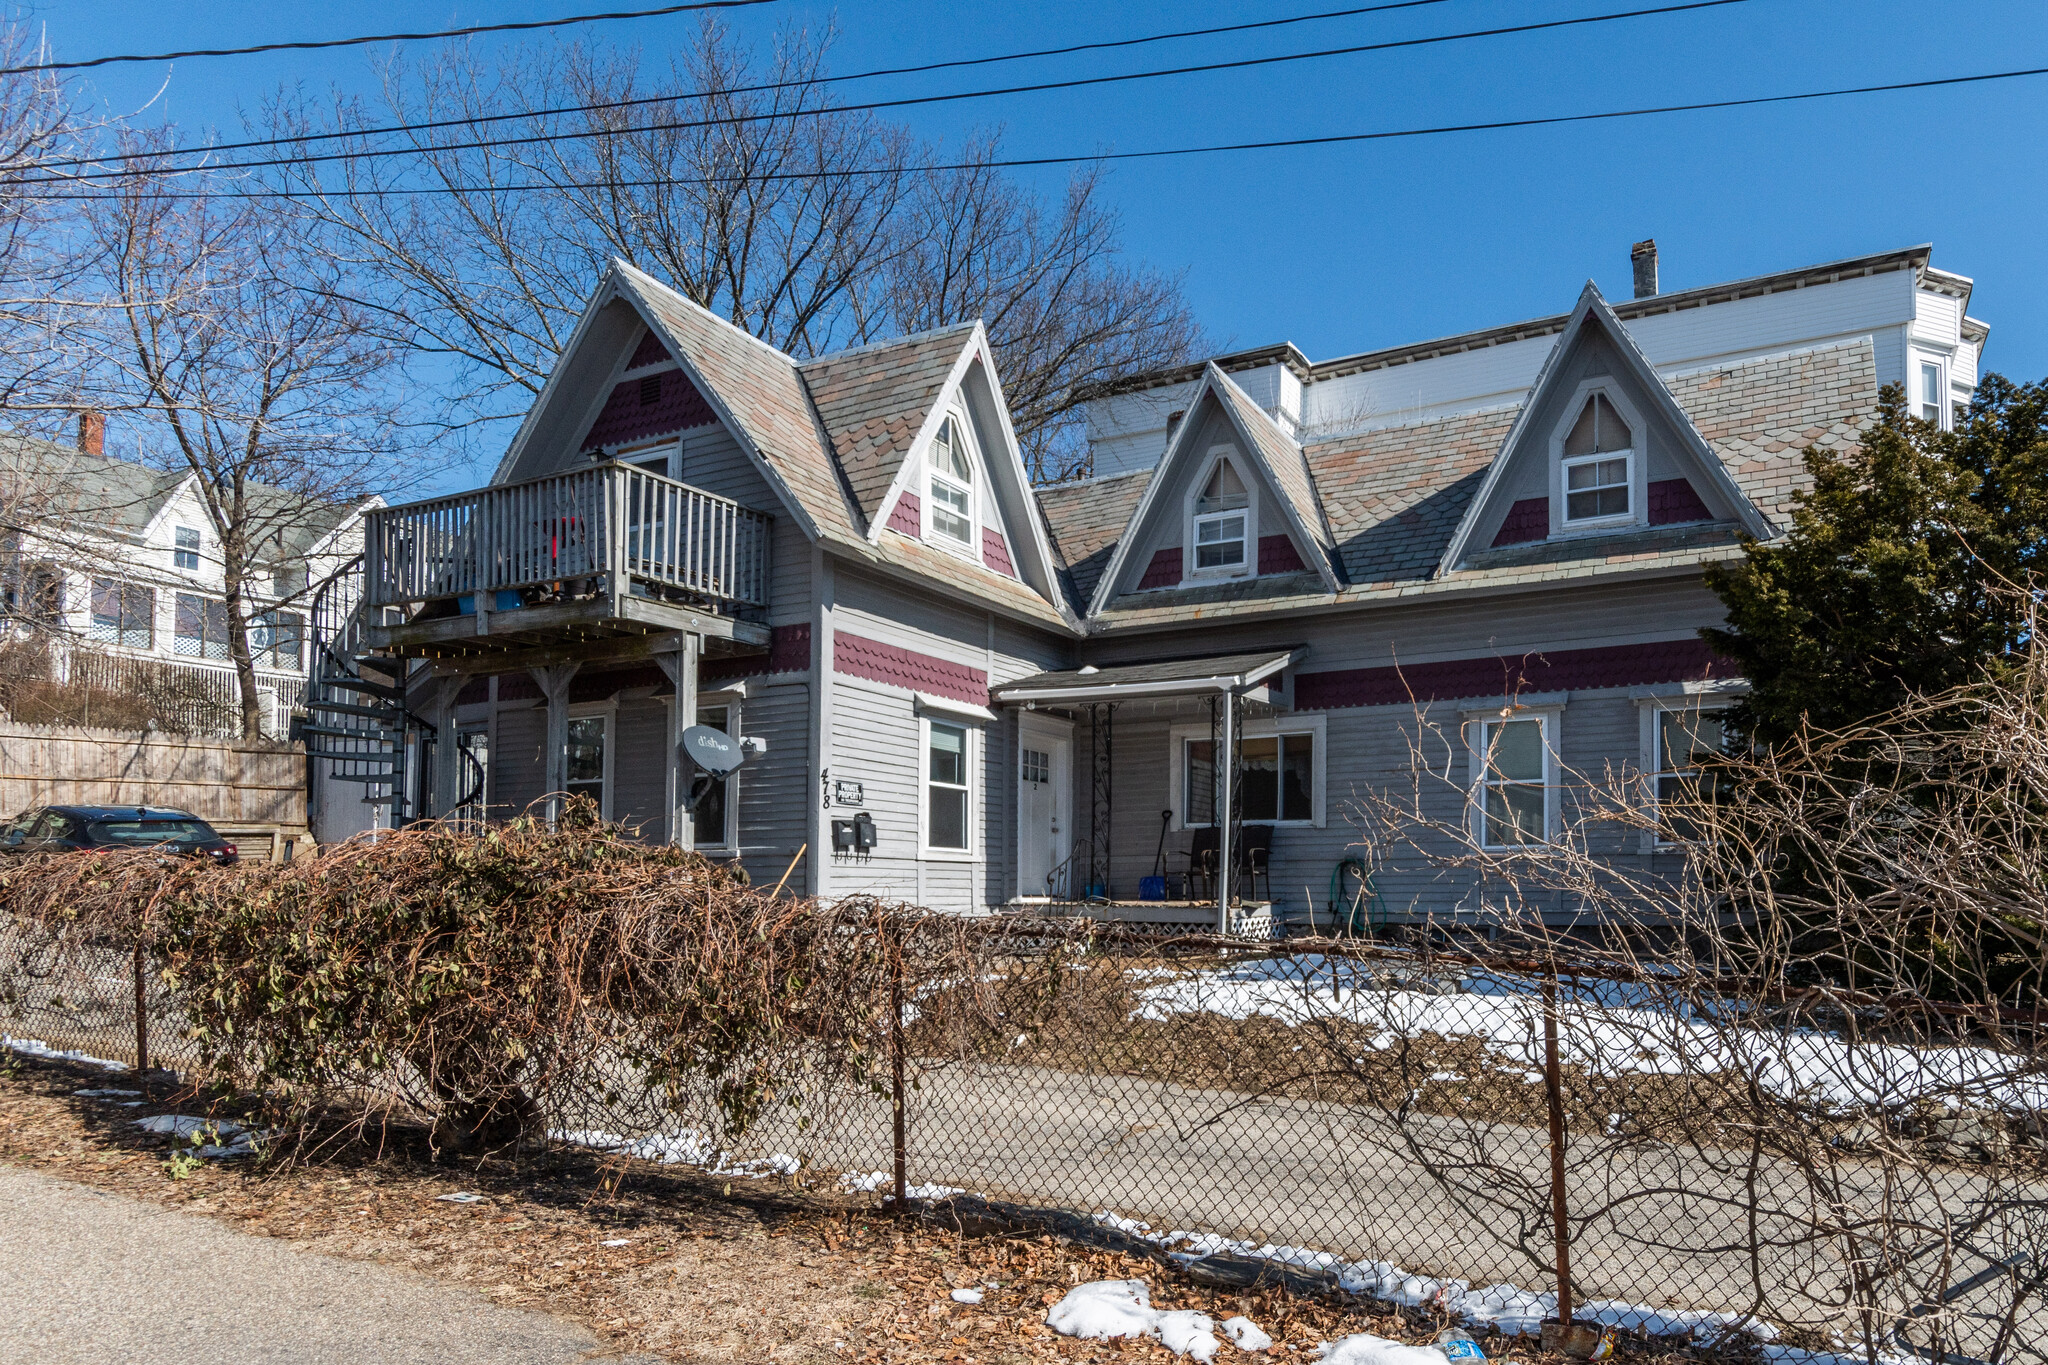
606 523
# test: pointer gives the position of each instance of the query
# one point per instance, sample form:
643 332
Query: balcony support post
440 713
553 682
681 667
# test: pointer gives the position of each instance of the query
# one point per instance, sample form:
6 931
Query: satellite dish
712 750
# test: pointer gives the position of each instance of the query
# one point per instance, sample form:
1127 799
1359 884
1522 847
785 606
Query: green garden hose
1367 900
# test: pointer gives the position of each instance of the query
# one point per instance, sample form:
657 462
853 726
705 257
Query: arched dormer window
1220 524
1597 466
951 469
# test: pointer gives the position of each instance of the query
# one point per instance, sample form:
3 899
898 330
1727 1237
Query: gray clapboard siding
874 742
518 765
639 794
775 790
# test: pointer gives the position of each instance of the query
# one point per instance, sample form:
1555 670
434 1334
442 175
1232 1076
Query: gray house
956 689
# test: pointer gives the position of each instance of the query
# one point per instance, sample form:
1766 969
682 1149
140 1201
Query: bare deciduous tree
812 227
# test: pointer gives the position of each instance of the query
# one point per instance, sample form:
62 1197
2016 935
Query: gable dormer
1232 500
1600 449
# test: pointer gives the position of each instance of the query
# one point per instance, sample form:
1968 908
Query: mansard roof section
874 400
1592 318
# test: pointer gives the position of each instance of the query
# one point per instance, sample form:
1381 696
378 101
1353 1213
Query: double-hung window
123 614
1686 742
588 758
715 811
202 627
1933 405
1222 524
948 824
952 486
1276 780
1511 799
185 553
1598 466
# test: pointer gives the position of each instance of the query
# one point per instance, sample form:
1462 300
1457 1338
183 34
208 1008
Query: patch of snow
243 1140
1107 1310
966 1296
101 1094
879 1182
687 1148
1245 1335
459 1197
1364 1348
36 1047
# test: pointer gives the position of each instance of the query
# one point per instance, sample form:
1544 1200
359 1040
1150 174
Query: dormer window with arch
951 466
1220 524
1597 467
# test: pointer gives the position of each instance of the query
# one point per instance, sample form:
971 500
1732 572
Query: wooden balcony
603 552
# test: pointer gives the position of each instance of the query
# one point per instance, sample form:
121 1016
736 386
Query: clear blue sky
1348 248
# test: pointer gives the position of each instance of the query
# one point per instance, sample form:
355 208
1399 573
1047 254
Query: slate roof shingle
1085 521
873 401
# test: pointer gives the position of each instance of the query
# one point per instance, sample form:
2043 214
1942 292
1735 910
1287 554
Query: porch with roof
1210 868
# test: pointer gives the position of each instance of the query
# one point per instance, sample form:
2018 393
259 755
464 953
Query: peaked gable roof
874 400
1265 446
1593 311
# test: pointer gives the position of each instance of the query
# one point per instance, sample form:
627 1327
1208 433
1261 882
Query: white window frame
1651 707
197 550
972 758
728 842
1316 726
609 712
1944 405
928 531
643 457
1636 455
1192 520
1478 723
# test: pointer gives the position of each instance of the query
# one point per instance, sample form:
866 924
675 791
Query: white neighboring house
119 566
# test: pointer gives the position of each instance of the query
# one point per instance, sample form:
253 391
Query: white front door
1044 759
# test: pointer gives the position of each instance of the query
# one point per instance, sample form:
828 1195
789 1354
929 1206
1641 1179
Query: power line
1274 144
676 96
386 37
870 106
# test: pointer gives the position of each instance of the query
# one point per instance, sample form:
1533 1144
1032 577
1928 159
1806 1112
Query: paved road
90 1278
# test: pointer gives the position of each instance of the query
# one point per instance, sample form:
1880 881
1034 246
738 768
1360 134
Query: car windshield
139 832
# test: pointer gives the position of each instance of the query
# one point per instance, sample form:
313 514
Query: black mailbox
863 832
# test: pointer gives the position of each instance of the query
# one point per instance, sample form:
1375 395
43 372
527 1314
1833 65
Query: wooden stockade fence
251 793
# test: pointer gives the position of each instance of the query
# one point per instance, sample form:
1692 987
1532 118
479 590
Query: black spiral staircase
357 721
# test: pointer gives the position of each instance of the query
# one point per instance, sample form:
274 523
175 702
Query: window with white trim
200 628
1598 465
951 466
123 614
1512 793
715 813
1276 780
1684 740
948 796
1221 539
587 762
1933 405
185 553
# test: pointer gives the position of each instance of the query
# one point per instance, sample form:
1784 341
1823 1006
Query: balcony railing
609 522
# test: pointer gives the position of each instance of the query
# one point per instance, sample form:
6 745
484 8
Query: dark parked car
64 829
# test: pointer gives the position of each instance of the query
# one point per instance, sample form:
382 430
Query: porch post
553 682
681 667
447 770
1224 772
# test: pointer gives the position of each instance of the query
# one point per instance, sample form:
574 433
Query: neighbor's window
1276 780
1222 516
713 829
202 627
946 786
1686 741
952 483
288 580
1597 457
123 614
274 640
1513 797
1932 407
585 766
186 555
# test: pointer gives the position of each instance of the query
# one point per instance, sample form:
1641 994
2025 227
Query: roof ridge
907 339
688 302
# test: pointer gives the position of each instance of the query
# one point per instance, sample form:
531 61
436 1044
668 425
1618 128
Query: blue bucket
1151 888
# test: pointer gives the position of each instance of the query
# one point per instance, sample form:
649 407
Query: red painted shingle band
1555 670
995 552
1163 571
859 657
1528 519
626 419
908 515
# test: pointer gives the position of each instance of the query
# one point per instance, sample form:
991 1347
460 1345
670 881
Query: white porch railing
192 697
610 520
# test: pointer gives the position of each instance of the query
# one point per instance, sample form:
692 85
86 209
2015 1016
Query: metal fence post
141 1006
1553 1094
897 1093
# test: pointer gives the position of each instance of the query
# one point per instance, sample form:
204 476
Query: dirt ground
705 1270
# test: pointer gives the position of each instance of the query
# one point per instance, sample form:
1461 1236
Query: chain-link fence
1467 1130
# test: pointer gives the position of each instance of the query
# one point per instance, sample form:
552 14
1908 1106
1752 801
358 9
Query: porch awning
1164 678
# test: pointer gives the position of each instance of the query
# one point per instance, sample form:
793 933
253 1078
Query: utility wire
1495 125
386 37
870 106
678 96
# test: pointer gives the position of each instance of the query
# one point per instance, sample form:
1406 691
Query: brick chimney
1643 255
92 433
